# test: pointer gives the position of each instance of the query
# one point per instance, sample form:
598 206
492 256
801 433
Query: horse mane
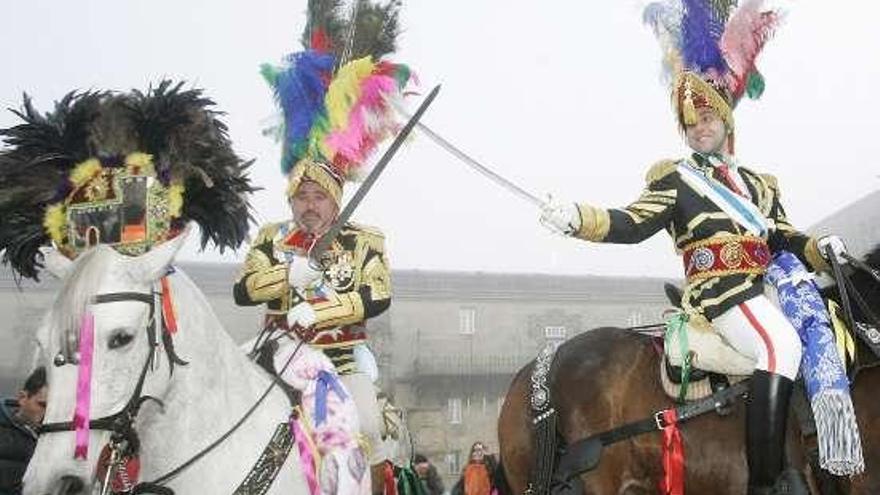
79 287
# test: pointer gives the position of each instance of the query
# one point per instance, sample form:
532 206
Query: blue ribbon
326 382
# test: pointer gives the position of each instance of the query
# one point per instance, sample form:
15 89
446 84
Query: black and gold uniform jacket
356 285
669 202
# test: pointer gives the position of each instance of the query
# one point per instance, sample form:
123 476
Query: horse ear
56 263
152 265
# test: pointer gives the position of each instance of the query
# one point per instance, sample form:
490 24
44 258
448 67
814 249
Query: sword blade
325 240
479 167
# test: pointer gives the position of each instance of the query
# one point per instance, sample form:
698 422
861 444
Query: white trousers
758 329
360 386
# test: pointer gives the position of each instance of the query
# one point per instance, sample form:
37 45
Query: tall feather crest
300 87
700 32
334 94
177 127
664 18
744 37
714 38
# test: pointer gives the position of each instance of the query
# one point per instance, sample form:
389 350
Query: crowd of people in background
478 477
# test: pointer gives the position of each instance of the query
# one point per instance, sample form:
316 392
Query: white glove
562 218
837 247
301 275
302 315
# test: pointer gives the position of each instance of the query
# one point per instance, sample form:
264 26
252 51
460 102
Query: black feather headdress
128 170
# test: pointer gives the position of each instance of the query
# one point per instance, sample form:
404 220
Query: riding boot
766 414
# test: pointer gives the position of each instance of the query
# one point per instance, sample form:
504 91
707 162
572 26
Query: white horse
201 401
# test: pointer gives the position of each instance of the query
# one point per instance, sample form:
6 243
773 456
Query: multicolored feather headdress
128 170
336 95
709 52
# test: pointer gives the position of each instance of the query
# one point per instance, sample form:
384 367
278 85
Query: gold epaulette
660 170
372 236
267 232
771 181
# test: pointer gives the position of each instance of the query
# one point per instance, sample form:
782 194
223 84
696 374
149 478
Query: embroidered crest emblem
703 258
732 254
340 273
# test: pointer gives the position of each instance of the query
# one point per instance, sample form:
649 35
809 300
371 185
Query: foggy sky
562 97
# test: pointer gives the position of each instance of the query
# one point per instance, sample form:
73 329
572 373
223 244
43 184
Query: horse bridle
121 424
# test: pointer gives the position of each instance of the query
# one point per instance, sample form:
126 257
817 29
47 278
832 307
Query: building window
634 319
453 463
554 332
467 321
454 410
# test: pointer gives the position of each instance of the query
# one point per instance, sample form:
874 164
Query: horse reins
121 424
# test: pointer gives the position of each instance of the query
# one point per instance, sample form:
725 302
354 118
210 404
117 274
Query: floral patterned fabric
827 384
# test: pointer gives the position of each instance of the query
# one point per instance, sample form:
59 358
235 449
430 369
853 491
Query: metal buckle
658 420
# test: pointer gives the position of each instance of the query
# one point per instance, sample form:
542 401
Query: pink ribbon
84 385
306 456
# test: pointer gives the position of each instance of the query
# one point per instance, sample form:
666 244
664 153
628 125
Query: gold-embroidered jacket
356 285
709 237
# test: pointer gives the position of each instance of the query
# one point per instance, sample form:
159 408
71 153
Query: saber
325 240
479 167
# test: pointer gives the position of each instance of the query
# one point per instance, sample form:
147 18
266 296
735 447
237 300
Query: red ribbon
168 312
673 455
390 484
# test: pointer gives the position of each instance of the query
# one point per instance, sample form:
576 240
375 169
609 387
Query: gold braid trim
377 277
595 223
689 87
338 310
814 257
307 169
660 170
267 284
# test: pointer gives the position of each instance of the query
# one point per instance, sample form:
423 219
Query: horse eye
120 339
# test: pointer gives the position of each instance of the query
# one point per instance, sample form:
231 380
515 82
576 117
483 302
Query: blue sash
740 209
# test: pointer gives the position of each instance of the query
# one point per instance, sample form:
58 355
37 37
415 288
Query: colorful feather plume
665 20
714 38
335 95
746 33
700 32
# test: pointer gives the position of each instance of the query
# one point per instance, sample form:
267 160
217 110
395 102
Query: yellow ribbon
846 347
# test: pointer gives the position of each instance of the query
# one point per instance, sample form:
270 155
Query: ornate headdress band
709 52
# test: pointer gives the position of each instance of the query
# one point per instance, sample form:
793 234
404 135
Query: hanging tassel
840 446
673 456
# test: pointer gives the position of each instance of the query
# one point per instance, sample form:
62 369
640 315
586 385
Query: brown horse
608 377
